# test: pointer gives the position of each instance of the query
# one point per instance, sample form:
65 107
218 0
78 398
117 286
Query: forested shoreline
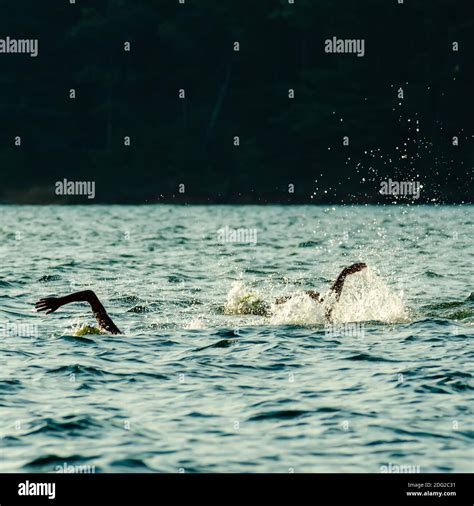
151 100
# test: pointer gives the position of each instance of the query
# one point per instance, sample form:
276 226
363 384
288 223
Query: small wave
198 414
462 314
224 343
369 358
414 433
395 441
134 376
76 369
10 385
328 409
432 389
174 278
432 274
69 424
12 441
452 310
131 463
447 383
279 415
50 460
127 299
445 305
226 333
309 244
77 339
48 278
140 308
457 375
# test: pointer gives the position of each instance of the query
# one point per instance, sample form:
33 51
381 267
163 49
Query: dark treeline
243 93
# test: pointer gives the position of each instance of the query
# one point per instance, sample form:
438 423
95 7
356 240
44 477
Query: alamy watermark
10 329
399 468
9 45
66 187
401 188
345 46
70 469
237 235
34 489
353 329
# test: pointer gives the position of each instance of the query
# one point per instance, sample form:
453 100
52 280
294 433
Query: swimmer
252 304
51 304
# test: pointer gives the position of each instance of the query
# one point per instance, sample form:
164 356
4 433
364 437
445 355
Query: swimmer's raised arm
51 304
339 283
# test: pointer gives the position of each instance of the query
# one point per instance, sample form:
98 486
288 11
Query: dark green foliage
231 94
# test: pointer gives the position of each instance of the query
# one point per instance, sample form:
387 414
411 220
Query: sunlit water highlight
194 386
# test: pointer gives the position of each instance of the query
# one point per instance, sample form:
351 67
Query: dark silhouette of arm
338 285
51 304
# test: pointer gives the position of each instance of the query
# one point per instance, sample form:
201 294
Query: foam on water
195 323
301 309
84 330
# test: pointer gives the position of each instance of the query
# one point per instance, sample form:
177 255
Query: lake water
194 386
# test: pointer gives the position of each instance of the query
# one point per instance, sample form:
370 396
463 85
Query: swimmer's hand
49 305
355 268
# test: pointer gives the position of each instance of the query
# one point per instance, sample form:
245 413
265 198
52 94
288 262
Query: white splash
301 309
237 291
195 324
242 301
85 330
365 297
